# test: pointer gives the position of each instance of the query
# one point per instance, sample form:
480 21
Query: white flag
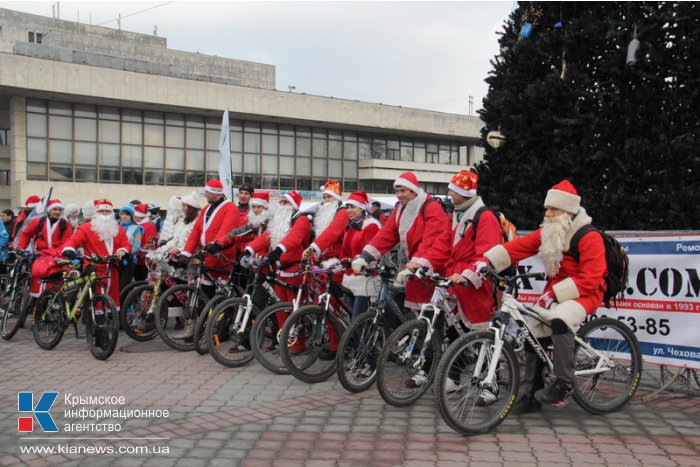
40 210
225 159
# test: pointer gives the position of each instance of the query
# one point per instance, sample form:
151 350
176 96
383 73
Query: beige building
97 112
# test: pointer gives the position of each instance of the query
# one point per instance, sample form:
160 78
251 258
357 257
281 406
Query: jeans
359 306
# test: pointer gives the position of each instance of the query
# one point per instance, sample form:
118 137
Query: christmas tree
606 95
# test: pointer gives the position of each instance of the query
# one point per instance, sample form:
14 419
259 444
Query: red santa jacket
223 219
240 242
424 234
292 245
582 282
328 244
50 236
150 232
475 304
353 243
21 217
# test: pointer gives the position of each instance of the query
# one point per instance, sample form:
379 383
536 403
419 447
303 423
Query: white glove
247 261
358 264
403 277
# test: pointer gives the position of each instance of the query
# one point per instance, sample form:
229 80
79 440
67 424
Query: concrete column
18 150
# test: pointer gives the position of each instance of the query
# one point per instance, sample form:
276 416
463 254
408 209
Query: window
30 37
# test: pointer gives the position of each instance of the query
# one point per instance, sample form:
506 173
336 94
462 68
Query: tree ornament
632 49
559 25
526 31
495 139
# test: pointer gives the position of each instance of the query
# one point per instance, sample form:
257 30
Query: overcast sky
429 55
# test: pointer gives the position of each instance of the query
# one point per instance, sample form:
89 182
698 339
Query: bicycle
312 327
407 363
15 301
77 297
486 360
363 340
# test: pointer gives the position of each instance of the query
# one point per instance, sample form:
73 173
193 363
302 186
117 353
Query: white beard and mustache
258 220
553 241
324 216
280 224
105 226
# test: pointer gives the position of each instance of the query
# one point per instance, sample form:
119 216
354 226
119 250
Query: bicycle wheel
199 337
137 314
466 405
49 320
101 326
123 293
309 354
264 337
228 344
14 312
358 351
609 390
407 363
176 313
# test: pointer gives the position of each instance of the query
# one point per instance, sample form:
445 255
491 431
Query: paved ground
248 416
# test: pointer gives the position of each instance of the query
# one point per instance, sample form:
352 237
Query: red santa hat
359 199
214 186
332 187
294 198
54 203
408 180
260 199
103 204
32 201
464 183
141 210
563 196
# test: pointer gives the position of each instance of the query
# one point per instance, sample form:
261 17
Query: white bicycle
607 355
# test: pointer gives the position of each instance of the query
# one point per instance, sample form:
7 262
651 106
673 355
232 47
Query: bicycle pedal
561 404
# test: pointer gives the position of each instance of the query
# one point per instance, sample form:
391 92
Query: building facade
93 111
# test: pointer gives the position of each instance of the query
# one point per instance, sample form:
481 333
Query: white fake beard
553 242
324 216
74 222
105 226
257 221
280 224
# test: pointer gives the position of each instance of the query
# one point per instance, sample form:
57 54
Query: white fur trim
316 249
259 202
423 262
406 184
371 220
186 253
100 207
563 200
566 290
282 247
571 312
461 191
291 201
372 251
249 250
216 191
54 205
498 256
333 194
356 203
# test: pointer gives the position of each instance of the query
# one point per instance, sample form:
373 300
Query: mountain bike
363 340
607 355
407 363
14 291
81 294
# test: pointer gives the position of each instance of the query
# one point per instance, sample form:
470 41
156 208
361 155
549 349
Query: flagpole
225 166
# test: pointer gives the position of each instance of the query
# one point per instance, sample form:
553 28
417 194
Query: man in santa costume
101 236
29 204
419 225
257 218
148 239
574 290
330 223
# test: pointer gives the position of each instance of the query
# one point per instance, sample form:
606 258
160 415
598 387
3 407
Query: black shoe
526 404
327 355
554 394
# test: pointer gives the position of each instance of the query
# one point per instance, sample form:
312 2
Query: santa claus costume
255 224
330 223
149 237
101 236
29 204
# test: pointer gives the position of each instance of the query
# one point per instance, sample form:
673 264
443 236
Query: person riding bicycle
257 218
573 291
330 224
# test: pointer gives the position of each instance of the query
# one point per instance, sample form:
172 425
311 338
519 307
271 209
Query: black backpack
62 226
616 259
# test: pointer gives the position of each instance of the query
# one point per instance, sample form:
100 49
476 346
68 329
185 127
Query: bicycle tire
308 365
49 320
590 391
226 347
199 337
102 332
123 293
264 338
460 408
134 316
358 352
166 319
394 371
15 312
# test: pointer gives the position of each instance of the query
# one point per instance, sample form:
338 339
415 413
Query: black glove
70 254
212 248
274 255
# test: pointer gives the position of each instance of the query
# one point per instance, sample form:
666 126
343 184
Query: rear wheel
176 313
200 337
358 351
14 311
49 320
123 293
102 326
229 344
137 314
609 390
264 337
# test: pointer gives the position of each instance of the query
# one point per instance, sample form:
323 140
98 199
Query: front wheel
102 326
176 313
358 351
407 363
608 366
199 337
49 319
264 337
466 403
15 311
137 314
227 340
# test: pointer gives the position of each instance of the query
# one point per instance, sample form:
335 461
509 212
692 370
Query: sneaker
452 386
418 380
554 394
486 398
526 404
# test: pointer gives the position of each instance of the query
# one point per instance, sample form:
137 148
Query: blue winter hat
128 208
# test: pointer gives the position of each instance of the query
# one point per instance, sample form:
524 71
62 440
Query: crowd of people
345 228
